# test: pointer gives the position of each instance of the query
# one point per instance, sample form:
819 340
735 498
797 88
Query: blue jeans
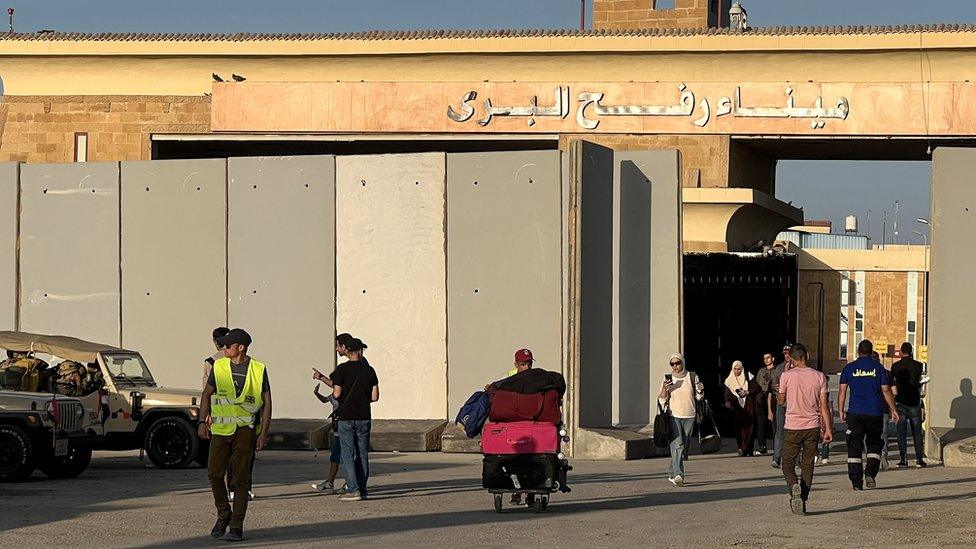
778 437
353 436
681 429
911 414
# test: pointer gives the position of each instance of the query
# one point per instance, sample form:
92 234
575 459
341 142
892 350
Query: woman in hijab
740 397
680 392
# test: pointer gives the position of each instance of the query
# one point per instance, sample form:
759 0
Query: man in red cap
523 361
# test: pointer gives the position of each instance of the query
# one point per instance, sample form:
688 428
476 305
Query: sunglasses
676 363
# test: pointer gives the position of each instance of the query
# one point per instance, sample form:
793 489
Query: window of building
911 320
845 303
81 147
858 306
664 4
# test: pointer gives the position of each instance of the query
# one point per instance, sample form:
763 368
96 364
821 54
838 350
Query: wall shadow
963 407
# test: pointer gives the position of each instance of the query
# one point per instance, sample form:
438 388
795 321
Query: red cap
523 355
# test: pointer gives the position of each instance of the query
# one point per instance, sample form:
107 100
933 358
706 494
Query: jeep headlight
80 412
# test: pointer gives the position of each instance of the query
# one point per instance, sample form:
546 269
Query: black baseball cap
238 336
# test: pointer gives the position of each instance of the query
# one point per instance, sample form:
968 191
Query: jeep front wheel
16 454
68 466
171 443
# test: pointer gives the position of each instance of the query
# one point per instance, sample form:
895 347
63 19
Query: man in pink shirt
803 391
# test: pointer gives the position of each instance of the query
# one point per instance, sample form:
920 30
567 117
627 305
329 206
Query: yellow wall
63 67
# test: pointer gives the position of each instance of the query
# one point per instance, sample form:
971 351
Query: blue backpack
474 413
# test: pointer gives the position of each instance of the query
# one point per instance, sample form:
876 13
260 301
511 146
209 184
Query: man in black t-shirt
907 376
356 387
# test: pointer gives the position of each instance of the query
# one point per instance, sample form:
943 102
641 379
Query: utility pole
582 14
10 20
884 228
895 241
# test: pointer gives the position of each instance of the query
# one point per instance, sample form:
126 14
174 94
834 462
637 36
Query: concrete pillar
952 298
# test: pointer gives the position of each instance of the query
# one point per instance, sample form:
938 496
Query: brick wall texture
42 129
641 14
704 158
885 313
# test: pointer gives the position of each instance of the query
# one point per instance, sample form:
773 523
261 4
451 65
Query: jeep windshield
128 369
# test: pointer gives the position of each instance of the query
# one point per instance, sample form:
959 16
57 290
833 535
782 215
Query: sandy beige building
731 102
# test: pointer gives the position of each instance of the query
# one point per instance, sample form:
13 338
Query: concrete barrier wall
69 256
281 270
8 245
648 321
391 276
952 298
174 264
503 260
596 287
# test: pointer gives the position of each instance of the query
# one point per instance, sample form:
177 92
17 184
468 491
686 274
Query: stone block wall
43 128
643 14
704 158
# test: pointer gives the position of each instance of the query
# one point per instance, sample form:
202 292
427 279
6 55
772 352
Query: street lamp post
925 293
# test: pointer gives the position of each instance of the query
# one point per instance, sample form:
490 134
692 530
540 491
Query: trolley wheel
537 504
545 502
498 503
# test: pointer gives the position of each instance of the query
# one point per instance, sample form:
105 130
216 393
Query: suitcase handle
519 441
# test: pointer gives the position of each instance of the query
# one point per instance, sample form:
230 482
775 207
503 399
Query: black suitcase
533 471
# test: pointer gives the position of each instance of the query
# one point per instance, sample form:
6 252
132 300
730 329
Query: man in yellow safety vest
237 392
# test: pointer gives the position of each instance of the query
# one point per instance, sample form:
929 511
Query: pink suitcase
519 437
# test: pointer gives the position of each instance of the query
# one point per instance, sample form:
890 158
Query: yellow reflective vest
229 410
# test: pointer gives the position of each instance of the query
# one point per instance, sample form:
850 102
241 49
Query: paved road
436 500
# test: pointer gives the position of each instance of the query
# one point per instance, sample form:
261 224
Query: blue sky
854 187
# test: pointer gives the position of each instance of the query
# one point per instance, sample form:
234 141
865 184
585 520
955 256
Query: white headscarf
734 382
684 367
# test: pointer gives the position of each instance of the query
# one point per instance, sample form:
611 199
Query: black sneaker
902 464
235 534
920 464
858 488
871 483
220 528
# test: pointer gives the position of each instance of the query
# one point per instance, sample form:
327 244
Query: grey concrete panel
503 265
391 276
8 245
174 265
952 297
649 320
596 287
281 268
69 257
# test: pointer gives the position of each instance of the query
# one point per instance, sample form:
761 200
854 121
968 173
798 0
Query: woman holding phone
740 398
680 392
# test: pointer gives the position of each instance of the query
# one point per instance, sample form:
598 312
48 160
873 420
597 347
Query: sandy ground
436 500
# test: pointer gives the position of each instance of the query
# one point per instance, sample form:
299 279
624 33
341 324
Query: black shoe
920 464
871 483
902 464
858 488
235 534
220 528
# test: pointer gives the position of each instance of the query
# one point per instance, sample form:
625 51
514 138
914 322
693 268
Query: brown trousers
802 444
236 452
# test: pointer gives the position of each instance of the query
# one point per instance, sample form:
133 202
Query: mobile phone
668 378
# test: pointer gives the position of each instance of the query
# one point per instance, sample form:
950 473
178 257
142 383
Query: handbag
709 439
662 427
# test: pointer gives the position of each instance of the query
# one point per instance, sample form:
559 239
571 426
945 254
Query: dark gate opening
737 307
